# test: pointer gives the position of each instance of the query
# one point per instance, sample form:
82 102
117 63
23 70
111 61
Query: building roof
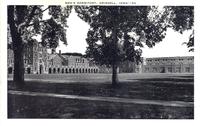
72 54
174 57
64 60
51 56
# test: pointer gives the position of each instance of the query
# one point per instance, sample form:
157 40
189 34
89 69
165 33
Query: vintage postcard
99 60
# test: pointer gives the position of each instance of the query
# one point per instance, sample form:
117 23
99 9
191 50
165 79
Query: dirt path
107 99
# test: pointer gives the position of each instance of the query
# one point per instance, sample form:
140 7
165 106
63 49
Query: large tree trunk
114 60
18 49
114 75
18 77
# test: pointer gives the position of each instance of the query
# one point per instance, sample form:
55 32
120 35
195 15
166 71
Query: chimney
59 52
53 51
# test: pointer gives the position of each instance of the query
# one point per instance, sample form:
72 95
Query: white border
33 122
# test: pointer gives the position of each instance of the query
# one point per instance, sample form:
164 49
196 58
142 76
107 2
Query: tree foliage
117 33
29 23
182 19
25 22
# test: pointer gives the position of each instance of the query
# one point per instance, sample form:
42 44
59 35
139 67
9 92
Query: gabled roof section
64 60
51 56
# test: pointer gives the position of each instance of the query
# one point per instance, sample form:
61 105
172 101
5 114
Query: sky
76 35
170 46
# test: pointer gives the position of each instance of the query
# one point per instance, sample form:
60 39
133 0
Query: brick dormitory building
37 60
179 64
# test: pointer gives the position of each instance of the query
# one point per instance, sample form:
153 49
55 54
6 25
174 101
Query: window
162 69
52 61
54 70
187 69
178 69
169 69
49 70
147 69
154 69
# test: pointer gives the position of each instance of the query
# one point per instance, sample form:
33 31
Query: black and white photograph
100 62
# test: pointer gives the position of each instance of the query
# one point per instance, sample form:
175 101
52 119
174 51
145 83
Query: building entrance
28 70
10 70
41 69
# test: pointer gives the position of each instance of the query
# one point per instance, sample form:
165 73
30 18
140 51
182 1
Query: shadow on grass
165 79
167 89
150 89
46 107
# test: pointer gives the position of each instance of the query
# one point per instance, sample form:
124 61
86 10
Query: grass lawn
46 107
166 87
